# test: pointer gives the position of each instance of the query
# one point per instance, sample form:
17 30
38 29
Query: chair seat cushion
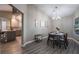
62 39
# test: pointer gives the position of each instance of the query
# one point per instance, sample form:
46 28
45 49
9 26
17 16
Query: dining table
55 38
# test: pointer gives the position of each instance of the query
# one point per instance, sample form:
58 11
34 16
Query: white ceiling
5 7
63 9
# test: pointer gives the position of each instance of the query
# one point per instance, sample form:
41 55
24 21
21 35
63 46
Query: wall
16 22
36 15
6 14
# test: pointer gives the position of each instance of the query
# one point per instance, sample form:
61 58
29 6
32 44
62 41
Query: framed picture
37 23
76 26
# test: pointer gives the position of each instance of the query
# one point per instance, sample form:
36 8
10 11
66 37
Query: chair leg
65 46
59 45
48 42
53 44
67 43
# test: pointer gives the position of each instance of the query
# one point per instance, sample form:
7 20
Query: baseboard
27 43
32 41
74 40
44 37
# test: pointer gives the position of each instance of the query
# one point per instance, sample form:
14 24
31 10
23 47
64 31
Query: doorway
19 14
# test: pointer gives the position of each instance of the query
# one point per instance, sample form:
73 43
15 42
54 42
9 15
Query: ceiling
62 10
5 7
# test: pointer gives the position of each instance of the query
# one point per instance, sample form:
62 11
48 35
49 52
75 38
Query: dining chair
63 40
52 40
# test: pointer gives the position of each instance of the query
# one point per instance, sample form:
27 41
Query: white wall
65 24
35 14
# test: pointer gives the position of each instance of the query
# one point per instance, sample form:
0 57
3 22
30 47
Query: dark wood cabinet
7 36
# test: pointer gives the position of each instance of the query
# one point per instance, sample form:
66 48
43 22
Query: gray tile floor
43 48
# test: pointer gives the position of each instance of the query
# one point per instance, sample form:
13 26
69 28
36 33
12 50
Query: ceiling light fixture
55 14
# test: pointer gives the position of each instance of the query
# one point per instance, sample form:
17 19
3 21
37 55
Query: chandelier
55 14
